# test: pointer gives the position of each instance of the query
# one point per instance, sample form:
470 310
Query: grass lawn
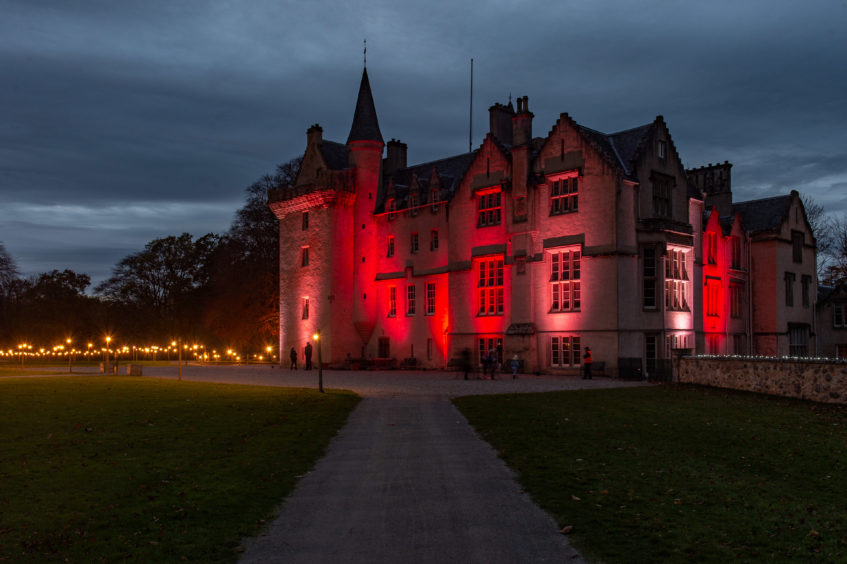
112 468
678 474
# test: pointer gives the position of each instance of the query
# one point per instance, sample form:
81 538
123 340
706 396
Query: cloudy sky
121 122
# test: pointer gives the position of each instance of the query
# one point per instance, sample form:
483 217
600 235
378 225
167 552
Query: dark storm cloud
160 113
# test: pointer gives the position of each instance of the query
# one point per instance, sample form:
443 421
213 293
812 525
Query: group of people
490 361
307 355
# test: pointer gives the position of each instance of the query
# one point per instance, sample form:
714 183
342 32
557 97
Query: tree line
216 289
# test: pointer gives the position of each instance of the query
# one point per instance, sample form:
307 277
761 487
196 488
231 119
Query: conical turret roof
365 124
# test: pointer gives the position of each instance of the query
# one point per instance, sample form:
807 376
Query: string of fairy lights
93 352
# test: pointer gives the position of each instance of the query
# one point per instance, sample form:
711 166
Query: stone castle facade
536 247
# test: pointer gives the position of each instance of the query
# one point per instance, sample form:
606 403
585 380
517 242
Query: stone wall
816 380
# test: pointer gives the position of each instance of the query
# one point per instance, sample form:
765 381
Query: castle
536 247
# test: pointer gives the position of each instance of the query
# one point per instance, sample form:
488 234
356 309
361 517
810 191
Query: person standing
466 361
515 363
587 360
307 352
293 356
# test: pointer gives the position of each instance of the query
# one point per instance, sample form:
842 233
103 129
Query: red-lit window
414 243
410 299
433 240
488 209
649 276
304 308
488 346
390 206
390 252
490 287
735 242
565 351
713 297
392 301
430 298
676 280
304 256
563 196
711 247
305 224
565 274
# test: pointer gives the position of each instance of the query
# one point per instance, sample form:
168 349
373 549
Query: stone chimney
395 158
714 181
500 122
314 135
522 123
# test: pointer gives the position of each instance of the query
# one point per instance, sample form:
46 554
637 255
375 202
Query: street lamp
178 359
70 369
317 338
106 366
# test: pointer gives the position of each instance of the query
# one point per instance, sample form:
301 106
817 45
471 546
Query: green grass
105 469
678 474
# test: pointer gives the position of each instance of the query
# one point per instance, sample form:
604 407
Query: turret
365 144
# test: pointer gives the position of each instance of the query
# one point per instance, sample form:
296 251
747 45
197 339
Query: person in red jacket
586 361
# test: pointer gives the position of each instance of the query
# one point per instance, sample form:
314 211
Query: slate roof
450 171
335 155
365 123
766 214
621 147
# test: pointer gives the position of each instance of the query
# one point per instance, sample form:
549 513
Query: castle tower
365 146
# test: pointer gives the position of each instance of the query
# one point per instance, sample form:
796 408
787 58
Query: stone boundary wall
816 380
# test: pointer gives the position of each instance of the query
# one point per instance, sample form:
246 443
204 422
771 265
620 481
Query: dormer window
661 149
413 203
433 198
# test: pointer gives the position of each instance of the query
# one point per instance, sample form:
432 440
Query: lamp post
106 366
70 368
178 358
317 338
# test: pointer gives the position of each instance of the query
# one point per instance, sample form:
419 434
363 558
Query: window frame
489 207
411 299
429 298
392 301
304 256
490 287
565 282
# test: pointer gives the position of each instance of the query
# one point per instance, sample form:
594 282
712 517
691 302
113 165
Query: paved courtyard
407 479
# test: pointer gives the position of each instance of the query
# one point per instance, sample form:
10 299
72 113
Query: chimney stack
500 122
314 135
395 158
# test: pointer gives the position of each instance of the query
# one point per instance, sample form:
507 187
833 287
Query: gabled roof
365 124
766 214
621 147
335 155
450 173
